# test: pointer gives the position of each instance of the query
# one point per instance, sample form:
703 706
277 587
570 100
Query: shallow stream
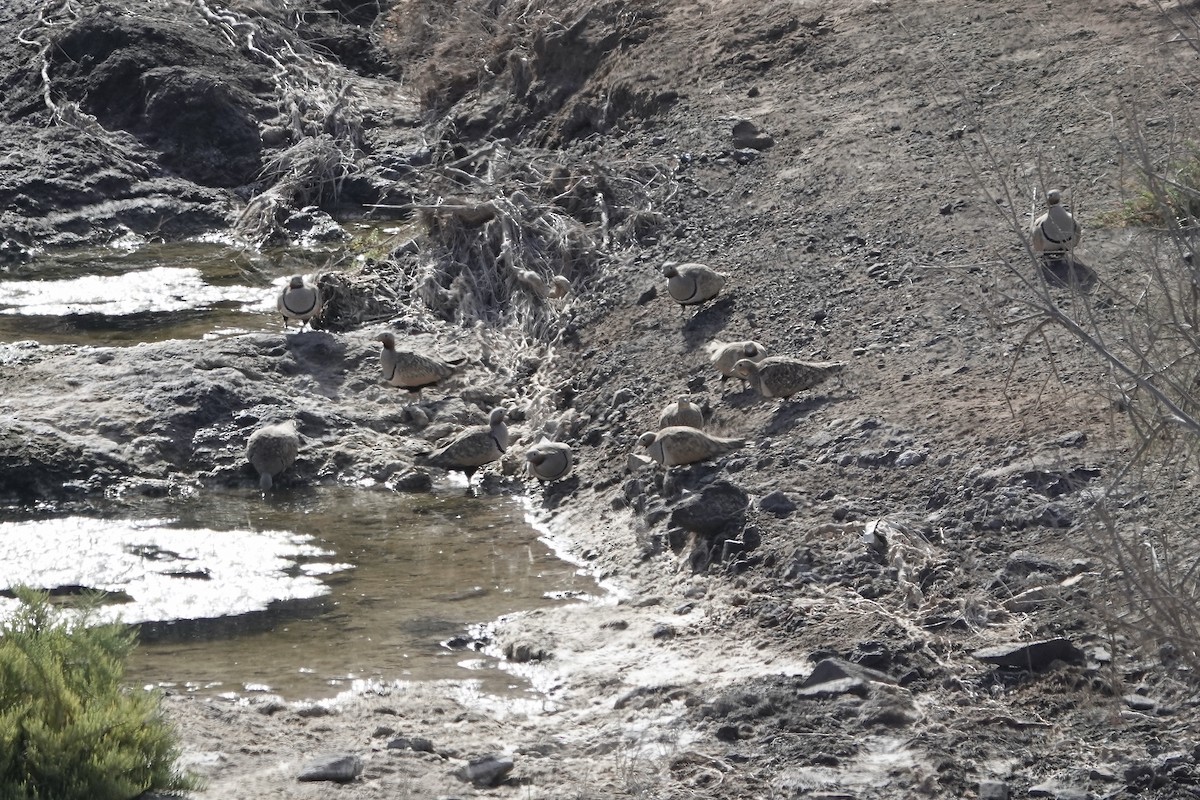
305 593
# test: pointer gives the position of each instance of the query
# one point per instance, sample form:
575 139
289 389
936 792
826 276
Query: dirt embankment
930 503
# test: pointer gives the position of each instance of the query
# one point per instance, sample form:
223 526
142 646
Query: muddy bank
178 413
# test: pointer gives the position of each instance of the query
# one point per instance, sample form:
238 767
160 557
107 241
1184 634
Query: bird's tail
733 444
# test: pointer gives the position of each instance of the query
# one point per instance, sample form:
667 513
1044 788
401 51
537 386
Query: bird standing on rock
299 301
410 370
271 450
474 447
781 376
692 284
549 461
680 444
724 356
681 412
1056 233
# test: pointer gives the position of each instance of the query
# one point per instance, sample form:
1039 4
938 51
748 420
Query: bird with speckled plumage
685 445
410 370
781 376
682 412
271 450
473 447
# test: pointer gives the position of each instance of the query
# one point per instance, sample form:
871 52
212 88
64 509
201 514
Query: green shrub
68 728
1166 199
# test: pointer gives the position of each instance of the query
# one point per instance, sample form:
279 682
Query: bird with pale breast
691 284
473 447
1055 233
410 370
549 461
682 412
726 354
271 450
299 300
680 444
782 376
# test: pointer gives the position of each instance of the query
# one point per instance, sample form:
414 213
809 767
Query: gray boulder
336 767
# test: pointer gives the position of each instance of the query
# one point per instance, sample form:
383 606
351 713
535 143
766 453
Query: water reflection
159 571
422 570
159 291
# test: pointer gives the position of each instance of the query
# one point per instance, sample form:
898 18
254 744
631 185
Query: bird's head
745 368
647 438
670 269
297 282
389 340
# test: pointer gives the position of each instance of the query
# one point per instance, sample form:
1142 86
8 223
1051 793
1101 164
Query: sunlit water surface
305 594
154 292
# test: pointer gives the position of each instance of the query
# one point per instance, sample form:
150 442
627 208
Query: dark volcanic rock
38 461
1034 656
339 768
179 88
777 503
720 507
202 125
486 771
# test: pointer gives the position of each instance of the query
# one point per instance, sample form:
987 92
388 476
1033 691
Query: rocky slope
843 608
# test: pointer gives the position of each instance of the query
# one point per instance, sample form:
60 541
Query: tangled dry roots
505 223
322 115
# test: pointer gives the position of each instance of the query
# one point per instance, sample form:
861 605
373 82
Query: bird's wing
1037 239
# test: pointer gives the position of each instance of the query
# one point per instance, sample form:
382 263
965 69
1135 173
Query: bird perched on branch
692 284
272 449
409 370
549 461
299 301
724 356
683 445
682 412
781 376
1055 233
473 447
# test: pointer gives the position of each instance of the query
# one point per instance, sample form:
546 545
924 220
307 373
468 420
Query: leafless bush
1139 318
321 113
